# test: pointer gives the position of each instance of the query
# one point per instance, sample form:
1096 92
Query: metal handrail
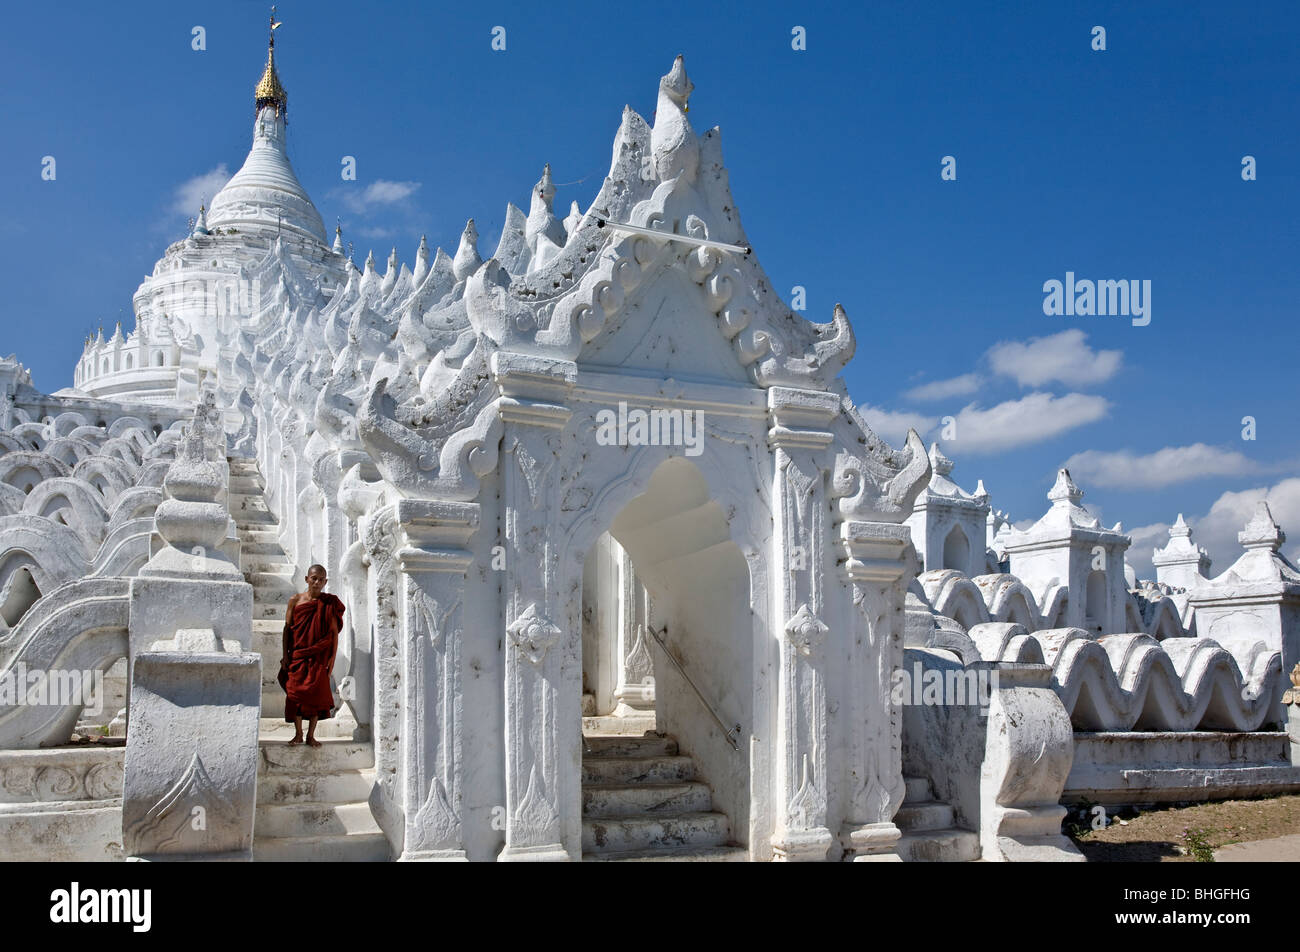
727 732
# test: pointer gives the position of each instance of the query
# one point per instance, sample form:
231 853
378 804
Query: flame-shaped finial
270 91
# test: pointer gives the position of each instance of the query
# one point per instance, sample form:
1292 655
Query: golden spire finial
270 92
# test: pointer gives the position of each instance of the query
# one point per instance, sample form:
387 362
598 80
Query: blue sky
1115 164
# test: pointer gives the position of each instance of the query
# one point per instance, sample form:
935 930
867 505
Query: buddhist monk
311 638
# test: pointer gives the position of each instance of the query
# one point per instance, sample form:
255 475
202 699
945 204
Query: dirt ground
1157 836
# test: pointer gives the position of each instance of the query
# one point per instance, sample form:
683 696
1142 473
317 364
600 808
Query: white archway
956 551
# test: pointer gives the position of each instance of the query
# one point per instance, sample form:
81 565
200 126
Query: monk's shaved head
317 568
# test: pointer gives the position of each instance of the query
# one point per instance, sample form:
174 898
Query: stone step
313 819
625 770
627 745
252 520
706 854
345 786
939 846
333 755
600 834
261 534
636 725
246 502
353 848
930 815
255 565
270 563
269 643
273 728
622 800
269 547
918 789
273 582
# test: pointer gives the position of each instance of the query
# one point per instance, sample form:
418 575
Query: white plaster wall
703 598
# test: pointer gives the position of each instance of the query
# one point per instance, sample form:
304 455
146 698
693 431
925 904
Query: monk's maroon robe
313 635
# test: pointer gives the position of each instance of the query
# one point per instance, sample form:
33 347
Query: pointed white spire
421 261
370 277
390 273
1181 563
338 240
1064 492
201 223
673 144
573 220
541 219
1262 532
467 260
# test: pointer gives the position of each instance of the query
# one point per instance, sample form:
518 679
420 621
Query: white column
799 556
434 560
542 758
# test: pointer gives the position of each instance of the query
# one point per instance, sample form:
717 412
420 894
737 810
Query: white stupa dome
265 196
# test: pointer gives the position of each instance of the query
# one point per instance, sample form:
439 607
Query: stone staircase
641 802
930 833
311 802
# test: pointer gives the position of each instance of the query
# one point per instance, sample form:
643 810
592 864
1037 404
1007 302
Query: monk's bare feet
313 742
297 739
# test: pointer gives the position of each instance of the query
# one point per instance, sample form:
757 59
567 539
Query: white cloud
1217 529
1064 357
893 426
1031 419
378 192
1164 467
961 386
190 194
1013 423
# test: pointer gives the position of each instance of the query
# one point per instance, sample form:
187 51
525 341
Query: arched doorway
956 551
667 652
1095 605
